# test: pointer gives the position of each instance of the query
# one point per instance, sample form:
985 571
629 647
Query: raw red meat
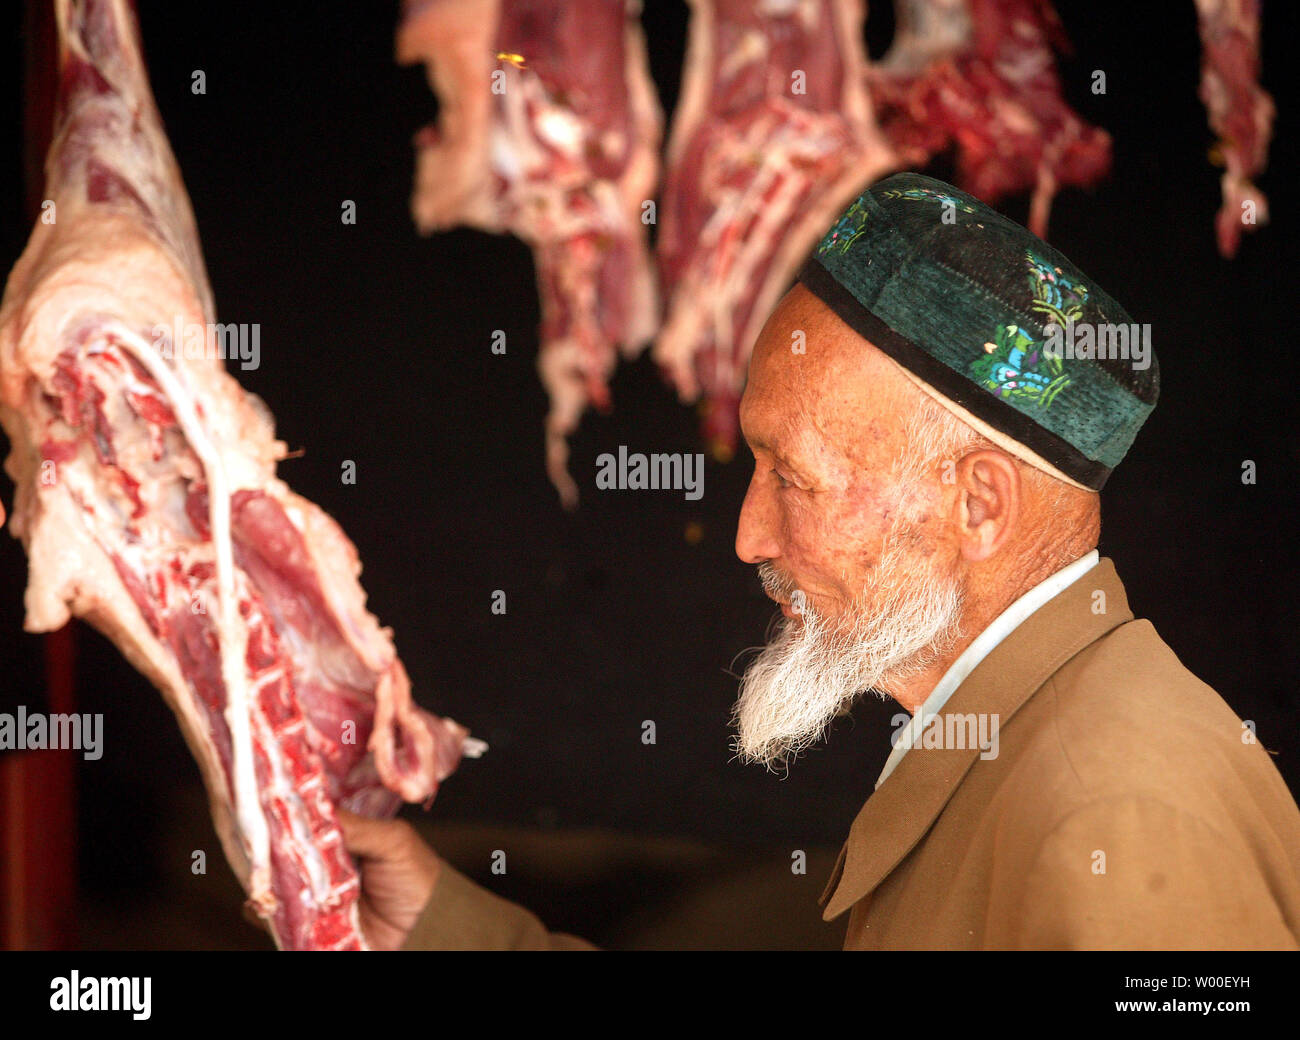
548 128
148 504
772 137
1241 113
981 75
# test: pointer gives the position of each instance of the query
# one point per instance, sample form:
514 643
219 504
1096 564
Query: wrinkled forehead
814 379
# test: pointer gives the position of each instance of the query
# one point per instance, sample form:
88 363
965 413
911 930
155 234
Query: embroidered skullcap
992 322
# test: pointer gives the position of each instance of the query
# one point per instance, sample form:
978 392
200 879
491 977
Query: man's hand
398 872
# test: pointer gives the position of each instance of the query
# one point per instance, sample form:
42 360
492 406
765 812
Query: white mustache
775 584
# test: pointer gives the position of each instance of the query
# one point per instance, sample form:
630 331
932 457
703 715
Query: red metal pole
38 797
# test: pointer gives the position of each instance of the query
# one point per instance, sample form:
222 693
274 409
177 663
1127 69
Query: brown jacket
1126 807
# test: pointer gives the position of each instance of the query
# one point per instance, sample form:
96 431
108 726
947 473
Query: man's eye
781 481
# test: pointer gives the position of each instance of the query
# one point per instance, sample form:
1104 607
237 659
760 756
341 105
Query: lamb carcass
549 128
148 503
773 136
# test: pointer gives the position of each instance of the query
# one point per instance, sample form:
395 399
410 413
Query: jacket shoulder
1125 718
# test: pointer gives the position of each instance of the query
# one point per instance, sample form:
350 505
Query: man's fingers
370 838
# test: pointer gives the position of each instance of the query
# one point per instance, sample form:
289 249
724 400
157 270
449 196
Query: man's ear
988 503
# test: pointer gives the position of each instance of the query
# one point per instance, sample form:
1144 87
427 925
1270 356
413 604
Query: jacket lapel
897 816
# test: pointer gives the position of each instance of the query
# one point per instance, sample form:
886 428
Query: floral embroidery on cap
1058 297
931 194
846 231
1014 364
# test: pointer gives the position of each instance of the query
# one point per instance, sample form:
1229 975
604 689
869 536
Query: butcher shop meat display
548 128
148 503
980 76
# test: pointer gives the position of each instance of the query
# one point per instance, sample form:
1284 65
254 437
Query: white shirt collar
1003 625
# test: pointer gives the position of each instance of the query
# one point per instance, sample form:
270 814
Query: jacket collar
897 816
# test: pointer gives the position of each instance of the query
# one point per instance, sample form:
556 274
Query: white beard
811 672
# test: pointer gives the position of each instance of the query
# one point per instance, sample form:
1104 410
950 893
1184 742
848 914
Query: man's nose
756 533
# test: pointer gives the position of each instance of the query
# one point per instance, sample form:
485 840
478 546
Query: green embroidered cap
991 319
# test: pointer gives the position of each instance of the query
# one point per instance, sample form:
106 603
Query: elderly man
932 410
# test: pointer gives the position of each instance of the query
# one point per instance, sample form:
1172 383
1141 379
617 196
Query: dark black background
375 348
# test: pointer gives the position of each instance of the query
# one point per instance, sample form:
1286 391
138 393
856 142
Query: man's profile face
825 427
852 548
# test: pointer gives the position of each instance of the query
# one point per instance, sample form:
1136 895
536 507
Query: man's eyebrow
780 442
760 443
782 455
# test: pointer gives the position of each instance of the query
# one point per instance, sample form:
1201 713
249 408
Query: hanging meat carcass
781 120
148 504
548 128
1241 113
981 75
773 135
